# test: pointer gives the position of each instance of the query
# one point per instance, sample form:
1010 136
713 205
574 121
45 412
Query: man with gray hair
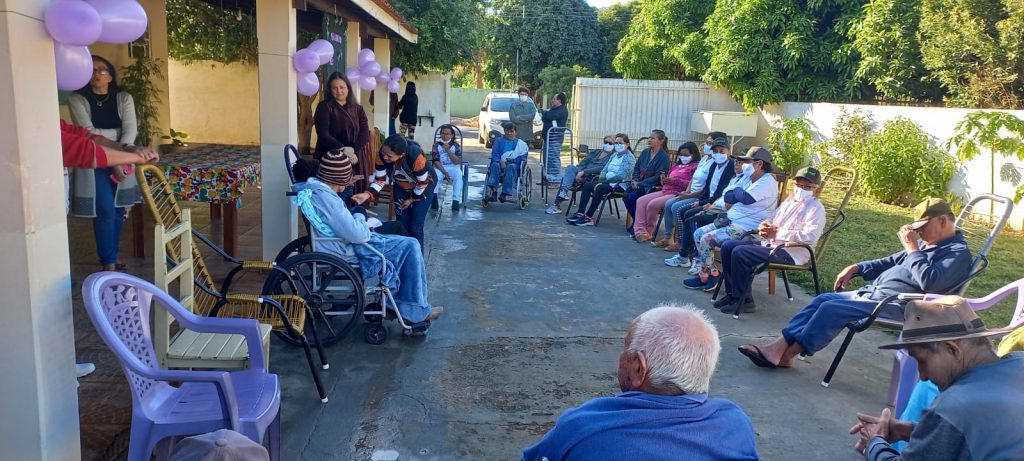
663 412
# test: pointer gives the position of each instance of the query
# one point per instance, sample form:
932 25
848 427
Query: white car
495 111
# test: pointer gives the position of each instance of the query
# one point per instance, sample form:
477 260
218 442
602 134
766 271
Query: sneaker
725 301
505 198
435 312
694 269
694 283
84 369
586 221
689 263
553 209
456 205
575 218
562 196
675 261
712 282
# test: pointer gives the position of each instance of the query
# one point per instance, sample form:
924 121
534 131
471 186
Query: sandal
662 243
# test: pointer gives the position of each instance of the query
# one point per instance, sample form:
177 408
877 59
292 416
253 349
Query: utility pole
518 48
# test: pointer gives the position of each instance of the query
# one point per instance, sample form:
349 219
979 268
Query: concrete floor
535 314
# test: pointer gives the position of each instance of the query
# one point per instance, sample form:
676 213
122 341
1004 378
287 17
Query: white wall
434 92
939 123
214 102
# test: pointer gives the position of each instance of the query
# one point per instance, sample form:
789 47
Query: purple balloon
73 22
396 74
367 82
323 49
393 86
124 21
353 74
307 84
383 78
366 55
74 66
370 68
305 61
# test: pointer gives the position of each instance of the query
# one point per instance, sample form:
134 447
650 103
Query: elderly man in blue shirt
507 155
664 412
935 259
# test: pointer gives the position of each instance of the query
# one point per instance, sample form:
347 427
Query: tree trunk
305 123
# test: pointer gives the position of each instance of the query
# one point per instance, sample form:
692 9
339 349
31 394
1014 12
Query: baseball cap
222 445
720 142
930 208
757 153
809 173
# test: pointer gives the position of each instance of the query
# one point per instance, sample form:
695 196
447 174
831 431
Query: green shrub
791 145
900 165
849 140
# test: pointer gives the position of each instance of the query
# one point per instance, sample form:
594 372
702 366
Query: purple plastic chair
247 401
904 367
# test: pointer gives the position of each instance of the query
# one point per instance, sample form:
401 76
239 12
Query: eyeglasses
101 71
807 186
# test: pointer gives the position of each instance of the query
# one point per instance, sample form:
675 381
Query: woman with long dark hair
408 106
340 121
105 194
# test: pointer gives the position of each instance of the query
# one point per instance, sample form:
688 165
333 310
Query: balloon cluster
76 24
306 61
369 74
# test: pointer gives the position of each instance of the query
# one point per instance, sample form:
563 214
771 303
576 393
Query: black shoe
455 205
745 308
727 300
504 198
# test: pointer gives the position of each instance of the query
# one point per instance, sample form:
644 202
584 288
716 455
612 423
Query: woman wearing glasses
105 194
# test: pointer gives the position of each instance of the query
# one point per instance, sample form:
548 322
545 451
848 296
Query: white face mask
522 98
619 147
445 141
802 194
707 149
685 160
608 147
748 169
719 157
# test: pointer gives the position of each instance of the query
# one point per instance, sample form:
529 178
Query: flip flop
757 357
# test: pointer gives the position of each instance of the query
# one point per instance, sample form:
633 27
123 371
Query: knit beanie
335 168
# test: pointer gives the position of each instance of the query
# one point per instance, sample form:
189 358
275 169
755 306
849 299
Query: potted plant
177 141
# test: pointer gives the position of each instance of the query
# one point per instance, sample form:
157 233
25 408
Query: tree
561 78
665 40
449 34
999 132
887 41
200 31
553 33
979 61
614 22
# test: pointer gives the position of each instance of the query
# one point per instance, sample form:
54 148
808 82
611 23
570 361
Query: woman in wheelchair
328 217
613 177
577 175
303 169
507 155
447 156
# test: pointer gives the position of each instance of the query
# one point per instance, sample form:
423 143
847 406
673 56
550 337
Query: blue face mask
707 149
719 157
608 147
620 148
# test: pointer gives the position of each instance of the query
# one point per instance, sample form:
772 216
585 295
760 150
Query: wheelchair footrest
419 327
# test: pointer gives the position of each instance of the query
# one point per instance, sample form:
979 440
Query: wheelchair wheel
375 333
297 246
525 188
333 291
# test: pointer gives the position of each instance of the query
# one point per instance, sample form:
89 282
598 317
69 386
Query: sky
604 3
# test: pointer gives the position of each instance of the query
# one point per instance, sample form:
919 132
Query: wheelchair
445 186
524 184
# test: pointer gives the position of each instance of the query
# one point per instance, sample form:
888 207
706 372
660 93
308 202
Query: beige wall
215 102
433 92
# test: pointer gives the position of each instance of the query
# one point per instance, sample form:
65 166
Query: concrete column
38 398
275 31
157 12
382 48
353 43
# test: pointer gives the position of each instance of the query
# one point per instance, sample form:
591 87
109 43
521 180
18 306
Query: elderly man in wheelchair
507 156
345 233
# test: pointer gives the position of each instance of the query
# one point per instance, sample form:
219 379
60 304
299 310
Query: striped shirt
413 172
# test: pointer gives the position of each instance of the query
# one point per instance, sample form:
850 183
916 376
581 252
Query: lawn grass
870 232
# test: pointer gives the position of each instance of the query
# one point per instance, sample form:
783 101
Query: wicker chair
288 313
370 159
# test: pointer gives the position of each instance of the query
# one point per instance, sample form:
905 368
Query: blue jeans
391 127
106 226
672 207
407 256
415 215
825 317
739 257
553 157
508 180
567 181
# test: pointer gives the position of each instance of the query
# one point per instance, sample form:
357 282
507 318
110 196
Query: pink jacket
679 178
